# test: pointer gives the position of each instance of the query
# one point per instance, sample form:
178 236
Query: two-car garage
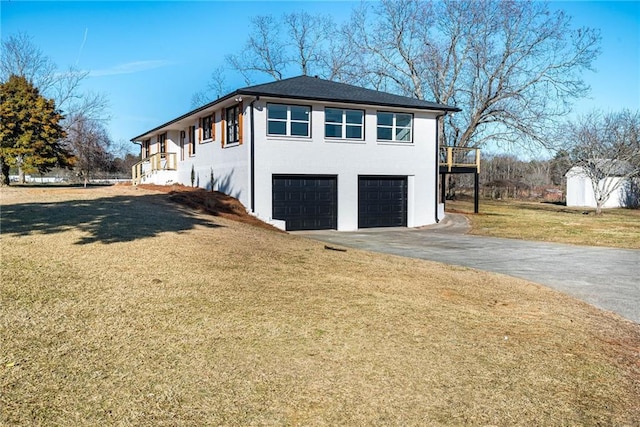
310 202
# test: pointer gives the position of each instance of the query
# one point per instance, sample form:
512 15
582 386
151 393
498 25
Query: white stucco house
623 190
306 153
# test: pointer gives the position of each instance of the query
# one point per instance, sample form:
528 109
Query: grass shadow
107 220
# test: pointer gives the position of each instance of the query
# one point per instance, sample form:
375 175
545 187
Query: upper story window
206 124
192 140
288 120
394 126
145 148
346 124
183 136
162 143
232 124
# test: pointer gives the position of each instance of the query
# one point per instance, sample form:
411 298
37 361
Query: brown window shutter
240 111
199 130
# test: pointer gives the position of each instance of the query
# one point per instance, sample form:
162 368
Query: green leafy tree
30 131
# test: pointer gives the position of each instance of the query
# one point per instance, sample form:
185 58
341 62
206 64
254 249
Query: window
145 148
232 121
345 124
206 123
394 126
288 120
192 140
162 143
182 138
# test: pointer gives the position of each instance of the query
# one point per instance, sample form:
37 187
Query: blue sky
150 57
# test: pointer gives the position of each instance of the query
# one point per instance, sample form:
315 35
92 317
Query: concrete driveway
607 278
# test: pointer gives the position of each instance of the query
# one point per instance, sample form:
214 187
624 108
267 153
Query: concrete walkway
607 278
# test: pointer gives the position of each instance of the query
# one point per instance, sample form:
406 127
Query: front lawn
120 307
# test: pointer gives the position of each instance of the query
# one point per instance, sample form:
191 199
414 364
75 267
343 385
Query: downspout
252 166
437 168
140 144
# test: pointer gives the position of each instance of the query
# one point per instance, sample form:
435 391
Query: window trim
146 147
288 121
203 128
162 143
394 128
192 141
183 137
344 124
229 124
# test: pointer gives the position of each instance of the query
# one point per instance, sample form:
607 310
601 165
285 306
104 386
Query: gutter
252 163
437 168
140 144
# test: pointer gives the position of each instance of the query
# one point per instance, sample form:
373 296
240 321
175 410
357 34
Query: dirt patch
210 202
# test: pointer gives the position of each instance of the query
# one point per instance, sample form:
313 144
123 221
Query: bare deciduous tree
89 141
296 43
605 148
21 57
308 41
216 88
513 67
265 51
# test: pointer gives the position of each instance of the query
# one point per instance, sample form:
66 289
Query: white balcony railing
151 164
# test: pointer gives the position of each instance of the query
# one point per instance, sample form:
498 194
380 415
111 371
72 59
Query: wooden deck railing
452 158
155 162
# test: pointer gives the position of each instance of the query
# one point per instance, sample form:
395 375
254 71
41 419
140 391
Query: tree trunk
21 178
599 207
4 169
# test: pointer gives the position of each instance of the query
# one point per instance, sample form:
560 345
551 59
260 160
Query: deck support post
476 192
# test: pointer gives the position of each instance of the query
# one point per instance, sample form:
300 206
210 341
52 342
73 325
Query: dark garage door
306 202
382 201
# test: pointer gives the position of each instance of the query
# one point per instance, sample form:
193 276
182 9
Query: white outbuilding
580 193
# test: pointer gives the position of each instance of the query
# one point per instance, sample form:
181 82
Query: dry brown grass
526 220
117 307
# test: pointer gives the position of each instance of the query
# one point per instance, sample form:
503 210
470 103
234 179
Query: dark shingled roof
316 89
313 88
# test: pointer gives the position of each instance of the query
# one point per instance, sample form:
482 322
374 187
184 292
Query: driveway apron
604 277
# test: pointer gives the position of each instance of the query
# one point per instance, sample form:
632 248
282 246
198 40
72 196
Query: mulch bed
210 202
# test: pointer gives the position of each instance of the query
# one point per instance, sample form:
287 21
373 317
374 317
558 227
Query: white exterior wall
347 160
229 164
580 192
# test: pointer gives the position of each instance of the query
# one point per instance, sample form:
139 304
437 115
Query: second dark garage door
382 201
306 202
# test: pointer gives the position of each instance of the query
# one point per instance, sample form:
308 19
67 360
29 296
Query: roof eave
184 116
438 107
